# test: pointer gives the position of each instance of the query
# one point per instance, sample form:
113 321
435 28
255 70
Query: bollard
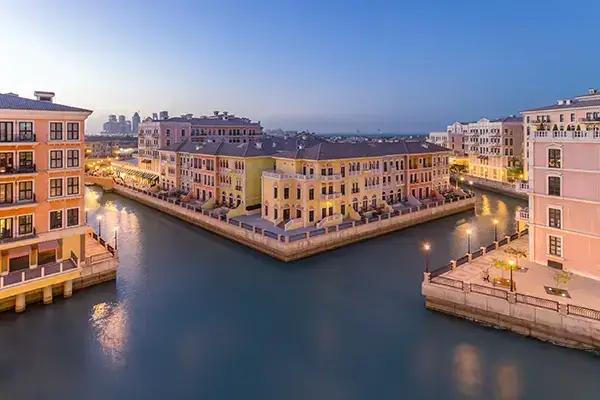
507 239
453 264
497 244
469 257
426 277
483 251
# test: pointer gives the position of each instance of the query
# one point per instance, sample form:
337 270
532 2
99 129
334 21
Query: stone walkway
584 292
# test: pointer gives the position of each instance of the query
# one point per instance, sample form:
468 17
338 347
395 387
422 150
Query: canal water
193 315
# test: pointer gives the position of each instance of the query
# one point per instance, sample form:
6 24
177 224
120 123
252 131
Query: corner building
42 234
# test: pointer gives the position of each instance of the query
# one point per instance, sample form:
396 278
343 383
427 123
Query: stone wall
284 249
555 326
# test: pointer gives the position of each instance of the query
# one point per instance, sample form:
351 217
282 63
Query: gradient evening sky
328 65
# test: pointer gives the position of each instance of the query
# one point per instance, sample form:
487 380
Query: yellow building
328 182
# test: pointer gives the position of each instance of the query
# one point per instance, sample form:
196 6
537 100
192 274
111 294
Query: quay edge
293 251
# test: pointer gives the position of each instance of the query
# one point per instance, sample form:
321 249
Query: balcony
522 214
566 136
330 178
540 121
224 169
522 187
19 138
353 173
22 169
331 196
372 187
30 274
592 120
18 203
9 236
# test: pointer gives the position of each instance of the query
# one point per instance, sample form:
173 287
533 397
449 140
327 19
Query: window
554 158
555 246
72 130
73 185
56 131
56 158
56 187
72 217
343 189
6 131
26 190
56 219
73 158
25 224
6 228
554 217
572 117
25 131
554 186
275 193
298 213
298 193
286 193
266 211
275 213
6 193
311 216
311 194
25 158
343 209
562 117
183 132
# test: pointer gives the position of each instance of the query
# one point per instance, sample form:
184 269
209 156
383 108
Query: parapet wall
286 248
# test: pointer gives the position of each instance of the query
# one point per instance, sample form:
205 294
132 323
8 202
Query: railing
489 291
30 274
17 202
331 218
454 283
328 178
330 196
522 214
20 138
9 236
291 223
537 302
583 312
523 186
21 169
441 270
566 135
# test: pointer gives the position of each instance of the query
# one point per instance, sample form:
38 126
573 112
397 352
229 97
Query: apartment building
452 141
229 173
220 127
494 147
564 184
330 181
42 232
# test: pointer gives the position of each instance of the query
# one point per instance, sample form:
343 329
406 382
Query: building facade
564 184
41 192
452 141
220 127
328 182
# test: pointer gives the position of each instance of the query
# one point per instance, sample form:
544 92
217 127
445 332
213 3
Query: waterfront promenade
298 243
572 319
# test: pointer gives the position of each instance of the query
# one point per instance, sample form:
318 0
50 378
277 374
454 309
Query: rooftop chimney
561 102
593 91
216 113
225 113
43 96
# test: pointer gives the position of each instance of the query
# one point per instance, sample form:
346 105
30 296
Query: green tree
516 254
555 128
562 276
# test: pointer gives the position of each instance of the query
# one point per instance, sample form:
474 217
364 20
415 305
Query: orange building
42 227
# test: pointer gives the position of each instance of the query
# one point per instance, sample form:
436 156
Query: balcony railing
592 119
330 196
22 276
7 236
553 136
21 169
19 138
540 121
329 178
522 214
18 202
522 186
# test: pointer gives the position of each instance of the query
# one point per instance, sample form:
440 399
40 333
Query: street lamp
511 263
469 241
426 247
495 230
116 229
86 215
99 218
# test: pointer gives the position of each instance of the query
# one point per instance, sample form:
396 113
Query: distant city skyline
325 67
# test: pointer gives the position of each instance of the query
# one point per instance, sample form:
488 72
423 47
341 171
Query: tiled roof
574 104
12 102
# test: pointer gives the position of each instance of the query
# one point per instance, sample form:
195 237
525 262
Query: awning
19 252
47 246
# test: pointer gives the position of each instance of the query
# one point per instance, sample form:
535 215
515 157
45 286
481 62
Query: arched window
223 197
383 195
374 201
365 202
355 204
230 199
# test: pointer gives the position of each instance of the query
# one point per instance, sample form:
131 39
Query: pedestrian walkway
584 292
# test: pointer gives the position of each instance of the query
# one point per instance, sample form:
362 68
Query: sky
326 66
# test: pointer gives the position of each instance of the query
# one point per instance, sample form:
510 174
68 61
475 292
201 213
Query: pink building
220 127
564 184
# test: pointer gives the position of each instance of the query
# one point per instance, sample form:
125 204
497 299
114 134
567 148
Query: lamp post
99 218
116 229
469 241
511 263
426 247
86 215
495 230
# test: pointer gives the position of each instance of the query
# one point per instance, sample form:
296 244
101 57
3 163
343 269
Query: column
20 303
68 289
47 294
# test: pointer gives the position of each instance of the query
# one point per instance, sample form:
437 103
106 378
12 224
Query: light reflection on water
109 322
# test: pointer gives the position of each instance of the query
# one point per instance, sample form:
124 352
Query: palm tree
502 265
516 253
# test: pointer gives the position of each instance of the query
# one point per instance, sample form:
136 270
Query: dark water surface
193 315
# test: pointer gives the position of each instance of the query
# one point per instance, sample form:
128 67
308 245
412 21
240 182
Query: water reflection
486 208
508 382
467 370
109 322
